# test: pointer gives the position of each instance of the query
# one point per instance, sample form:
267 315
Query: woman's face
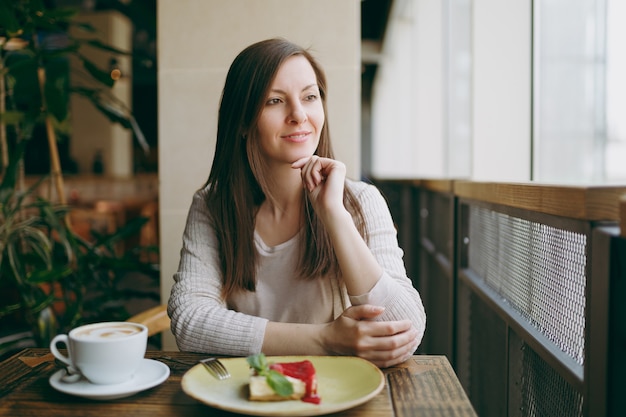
293 116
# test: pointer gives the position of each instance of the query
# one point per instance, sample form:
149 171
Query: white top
313 299
203 322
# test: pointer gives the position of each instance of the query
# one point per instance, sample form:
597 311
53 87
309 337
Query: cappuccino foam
107 332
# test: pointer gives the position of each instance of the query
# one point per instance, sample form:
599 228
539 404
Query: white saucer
150 374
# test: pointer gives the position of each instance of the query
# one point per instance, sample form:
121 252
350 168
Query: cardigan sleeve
201 320
394 290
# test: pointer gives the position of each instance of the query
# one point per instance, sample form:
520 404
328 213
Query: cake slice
282 381
260 390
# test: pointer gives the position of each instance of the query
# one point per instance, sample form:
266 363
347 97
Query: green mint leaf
277 381
281 385
259 363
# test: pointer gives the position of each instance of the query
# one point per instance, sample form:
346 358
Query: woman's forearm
293 339
359 267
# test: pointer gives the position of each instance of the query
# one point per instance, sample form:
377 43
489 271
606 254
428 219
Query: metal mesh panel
482 359
436 221
538 269
544 391
463 333
437 304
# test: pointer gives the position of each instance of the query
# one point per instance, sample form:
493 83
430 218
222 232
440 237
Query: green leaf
87 27
8 20
100 75
24 66
55 274
42 302
258 362
131 228
98 44
279 383
10 175
66 14
12 117
113 114
50 55
9 309
57 99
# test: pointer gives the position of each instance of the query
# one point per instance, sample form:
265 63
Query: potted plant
51 279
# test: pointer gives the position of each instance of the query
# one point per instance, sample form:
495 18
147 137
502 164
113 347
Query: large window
579 91
458 129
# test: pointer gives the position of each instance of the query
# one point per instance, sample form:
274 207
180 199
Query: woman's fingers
385 359
363 312
384 343
385 336
315 170
311 172
390 350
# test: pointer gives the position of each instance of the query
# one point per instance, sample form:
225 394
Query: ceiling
374 16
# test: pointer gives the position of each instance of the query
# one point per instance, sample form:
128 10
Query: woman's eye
311 97
273 101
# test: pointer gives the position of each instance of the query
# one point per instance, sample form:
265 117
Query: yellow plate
343 382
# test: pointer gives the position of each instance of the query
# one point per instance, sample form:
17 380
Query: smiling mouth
297 137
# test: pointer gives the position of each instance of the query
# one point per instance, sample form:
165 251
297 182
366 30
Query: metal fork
216 368
213 365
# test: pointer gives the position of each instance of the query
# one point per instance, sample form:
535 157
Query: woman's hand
384 343
324 179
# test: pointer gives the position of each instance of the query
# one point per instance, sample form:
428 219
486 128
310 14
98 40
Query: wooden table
422 386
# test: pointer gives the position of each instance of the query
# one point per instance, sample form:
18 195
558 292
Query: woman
281 253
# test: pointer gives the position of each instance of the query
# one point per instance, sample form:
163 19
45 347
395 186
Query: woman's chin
300 155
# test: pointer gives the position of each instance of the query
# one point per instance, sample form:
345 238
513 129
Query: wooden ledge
438 185
622 215
594 203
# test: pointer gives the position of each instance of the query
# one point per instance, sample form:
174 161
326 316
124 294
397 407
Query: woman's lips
297 136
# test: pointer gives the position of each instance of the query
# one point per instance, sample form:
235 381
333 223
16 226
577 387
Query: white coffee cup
104 353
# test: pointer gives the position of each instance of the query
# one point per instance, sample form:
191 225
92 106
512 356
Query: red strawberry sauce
303 371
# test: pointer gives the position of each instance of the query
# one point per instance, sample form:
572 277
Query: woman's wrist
337 217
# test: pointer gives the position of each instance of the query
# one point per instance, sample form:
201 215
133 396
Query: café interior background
480 89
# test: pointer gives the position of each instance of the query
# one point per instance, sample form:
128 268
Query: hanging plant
51 279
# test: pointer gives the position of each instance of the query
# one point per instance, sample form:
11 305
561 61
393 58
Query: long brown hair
237 184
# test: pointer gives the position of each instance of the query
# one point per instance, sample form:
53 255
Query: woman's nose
297 114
